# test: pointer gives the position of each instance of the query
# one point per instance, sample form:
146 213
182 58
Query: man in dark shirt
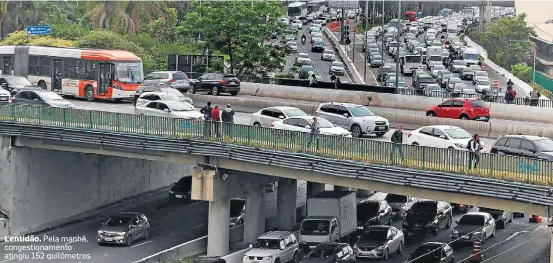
397 144
227 116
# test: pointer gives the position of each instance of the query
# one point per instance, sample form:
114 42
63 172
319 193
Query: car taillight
237 81
172 80
223 82
409 135
187 79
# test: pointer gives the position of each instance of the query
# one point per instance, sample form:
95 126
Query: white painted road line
511 236
143 243
7 260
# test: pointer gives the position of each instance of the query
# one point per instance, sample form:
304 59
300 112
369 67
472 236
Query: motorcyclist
303 39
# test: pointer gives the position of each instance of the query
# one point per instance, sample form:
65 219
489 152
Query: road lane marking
6 260
143 243
511 236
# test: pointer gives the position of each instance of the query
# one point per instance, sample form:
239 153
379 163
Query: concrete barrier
419 103
347 61
237 256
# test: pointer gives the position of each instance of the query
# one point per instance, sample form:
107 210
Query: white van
470 56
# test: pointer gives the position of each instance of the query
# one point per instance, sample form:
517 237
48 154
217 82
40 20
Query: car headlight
380 248
268 258
405 223
120 233
460 145
246 256
303 242
477 233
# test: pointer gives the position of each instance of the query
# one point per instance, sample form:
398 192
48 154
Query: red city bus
84 73
411 16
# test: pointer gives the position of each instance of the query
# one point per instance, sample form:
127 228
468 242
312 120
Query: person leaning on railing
315 130
534 97
474 146
397 143
206 111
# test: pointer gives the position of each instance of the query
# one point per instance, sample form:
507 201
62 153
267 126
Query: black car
433 252
209 259
427 217
460 207
216 83
422 80
181 189
501 217
329 253
318 46
524 146
383 70
373 212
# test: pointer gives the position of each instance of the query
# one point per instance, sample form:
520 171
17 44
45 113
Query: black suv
373 212
524 146
433 252
216 83
427 217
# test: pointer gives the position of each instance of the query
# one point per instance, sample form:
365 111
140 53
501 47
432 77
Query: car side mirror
166 110
250 246
307 127
346 115
281 117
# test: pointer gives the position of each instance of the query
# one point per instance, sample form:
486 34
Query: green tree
239 29
522 71
506 40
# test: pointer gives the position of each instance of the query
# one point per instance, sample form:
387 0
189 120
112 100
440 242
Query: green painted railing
539 172
545 81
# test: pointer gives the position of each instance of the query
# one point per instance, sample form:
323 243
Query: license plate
108 239
465 237
178 196
255 261
481 118
232 82
4 98
311 247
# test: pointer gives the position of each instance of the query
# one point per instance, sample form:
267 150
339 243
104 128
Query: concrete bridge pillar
286 203
254 219
314 188
218 227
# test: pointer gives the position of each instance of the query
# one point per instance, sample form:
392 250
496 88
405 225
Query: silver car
123 229
353 117
379 242
273 247
175 79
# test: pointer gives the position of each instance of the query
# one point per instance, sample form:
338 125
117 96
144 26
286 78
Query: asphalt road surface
171 224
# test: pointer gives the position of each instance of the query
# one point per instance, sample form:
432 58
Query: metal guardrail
403 176
517 169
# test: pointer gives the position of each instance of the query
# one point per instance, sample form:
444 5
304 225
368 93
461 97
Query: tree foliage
20 38
239 29
522 71
506 40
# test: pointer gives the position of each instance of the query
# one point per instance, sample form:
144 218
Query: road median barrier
347 61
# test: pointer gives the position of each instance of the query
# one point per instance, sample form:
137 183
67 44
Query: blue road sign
39 30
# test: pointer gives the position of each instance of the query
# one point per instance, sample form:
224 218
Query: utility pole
366 36
342 27
382 38
398 43
374 11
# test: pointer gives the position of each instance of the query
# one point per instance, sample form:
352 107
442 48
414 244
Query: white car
303 58
337 68
317 37
440 136
480 86
355 118
480 76
328 54
292 45
298 24
303 124
172 109
266 116
314 29
166 95
435 70
272 247
474 225
4 96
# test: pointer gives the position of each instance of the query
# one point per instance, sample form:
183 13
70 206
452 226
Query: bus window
128 72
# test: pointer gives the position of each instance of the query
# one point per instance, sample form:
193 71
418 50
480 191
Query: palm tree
15 15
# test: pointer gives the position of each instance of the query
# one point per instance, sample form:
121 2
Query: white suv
265 117
355 118
274 247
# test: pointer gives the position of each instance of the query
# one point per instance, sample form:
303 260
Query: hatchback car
174 79
440 136
266 116
433 252
501 217
473 225
353 117
373 212
379 242
292 45
216 83
427 216
274 247
123 229
331 252
181 189
171 109
528 146
304 123
461 108
40 97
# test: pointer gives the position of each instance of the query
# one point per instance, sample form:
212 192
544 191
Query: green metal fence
367 151
545 81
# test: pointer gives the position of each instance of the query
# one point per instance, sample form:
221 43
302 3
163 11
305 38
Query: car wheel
464 117
386 255
215 91
191 90
234 93
356 131
431 114
400 248
128 241
147 234
89 93
296 258
257 124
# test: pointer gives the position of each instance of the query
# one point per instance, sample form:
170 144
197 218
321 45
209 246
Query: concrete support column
341 188
218 227
286 203
254 218
314 188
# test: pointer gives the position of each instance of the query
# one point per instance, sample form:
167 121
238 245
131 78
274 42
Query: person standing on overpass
206 111
315 130
228 119
216 118
534 97
474 151
397 144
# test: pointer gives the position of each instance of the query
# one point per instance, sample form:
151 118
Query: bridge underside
283 172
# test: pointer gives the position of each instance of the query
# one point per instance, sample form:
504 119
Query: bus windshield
128 72
295 9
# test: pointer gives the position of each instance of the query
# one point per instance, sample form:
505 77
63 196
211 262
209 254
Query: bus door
58 75
105 79
7 66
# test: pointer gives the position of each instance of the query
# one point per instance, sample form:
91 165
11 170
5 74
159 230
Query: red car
461 108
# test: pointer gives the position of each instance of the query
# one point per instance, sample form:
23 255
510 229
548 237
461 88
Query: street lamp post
366 36
398 42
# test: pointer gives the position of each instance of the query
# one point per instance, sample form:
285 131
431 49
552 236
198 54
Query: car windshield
360 111
315 227
317 35
366 211
171 97
338 64
319 43
330 52
545 145
307 68
291 44
457 134
128 72
433 87
378 57
472 220
426 79
118 221
470 56
375 234
179 106
438 67
423 208
294 112
47 95
18 81
482 73
392 198
478 104
323 123
322 252
447 76
458 62
455 80
266 243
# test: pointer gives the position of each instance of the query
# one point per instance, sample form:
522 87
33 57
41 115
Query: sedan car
316 37
181 189
171 109
376 61
436 69
330 252
480 76
379 242
432 90
303 124
483 85
440 136
292 45
328 54
457 65
123 229
318 46
146 97
264 117
216 83
501 217
451 83
40 97
337 68
466 73
473 225
433 252
303 58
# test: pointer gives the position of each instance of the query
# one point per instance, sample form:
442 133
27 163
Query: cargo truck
411 63
433 56
331 216
452 28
